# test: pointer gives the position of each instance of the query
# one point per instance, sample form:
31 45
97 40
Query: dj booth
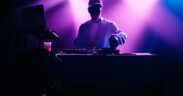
115 74
93 72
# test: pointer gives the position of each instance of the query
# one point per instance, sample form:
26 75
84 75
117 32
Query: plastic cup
47 46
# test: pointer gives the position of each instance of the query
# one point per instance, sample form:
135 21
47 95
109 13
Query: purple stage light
132 16
141 7
47 3
80 12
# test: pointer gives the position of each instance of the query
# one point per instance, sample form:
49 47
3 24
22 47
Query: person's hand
113 42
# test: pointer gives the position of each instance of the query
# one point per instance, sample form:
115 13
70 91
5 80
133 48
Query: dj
98 32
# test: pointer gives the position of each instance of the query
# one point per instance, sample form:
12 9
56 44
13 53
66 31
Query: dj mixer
90 51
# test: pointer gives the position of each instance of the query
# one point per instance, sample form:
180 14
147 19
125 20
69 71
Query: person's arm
121 36
117 36
79 41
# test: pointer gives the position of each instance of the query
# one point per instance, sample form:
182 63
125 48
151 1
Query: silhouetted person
98 32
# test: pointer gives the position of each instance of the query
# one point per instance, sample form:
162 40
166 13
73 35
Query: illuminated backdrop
146 22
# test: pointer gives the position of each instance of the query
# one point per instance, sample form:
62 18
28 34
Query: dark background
12 36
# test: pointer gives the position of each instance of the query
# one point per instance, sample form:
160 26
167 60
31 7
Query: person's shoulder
108 22
111 24
86 23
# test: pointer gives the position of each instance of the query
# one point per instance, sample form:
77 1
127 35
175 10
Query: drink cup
47 46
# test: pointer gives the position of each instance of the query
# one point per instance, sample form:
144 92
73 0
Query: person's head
95 8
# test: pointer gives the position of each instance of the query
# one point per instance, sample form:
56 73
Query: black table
115 74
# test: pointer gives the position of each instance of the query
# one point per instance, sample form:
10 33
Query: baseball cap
95 2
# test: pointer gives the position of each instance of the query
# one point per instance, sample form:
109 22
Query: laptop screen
34 17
